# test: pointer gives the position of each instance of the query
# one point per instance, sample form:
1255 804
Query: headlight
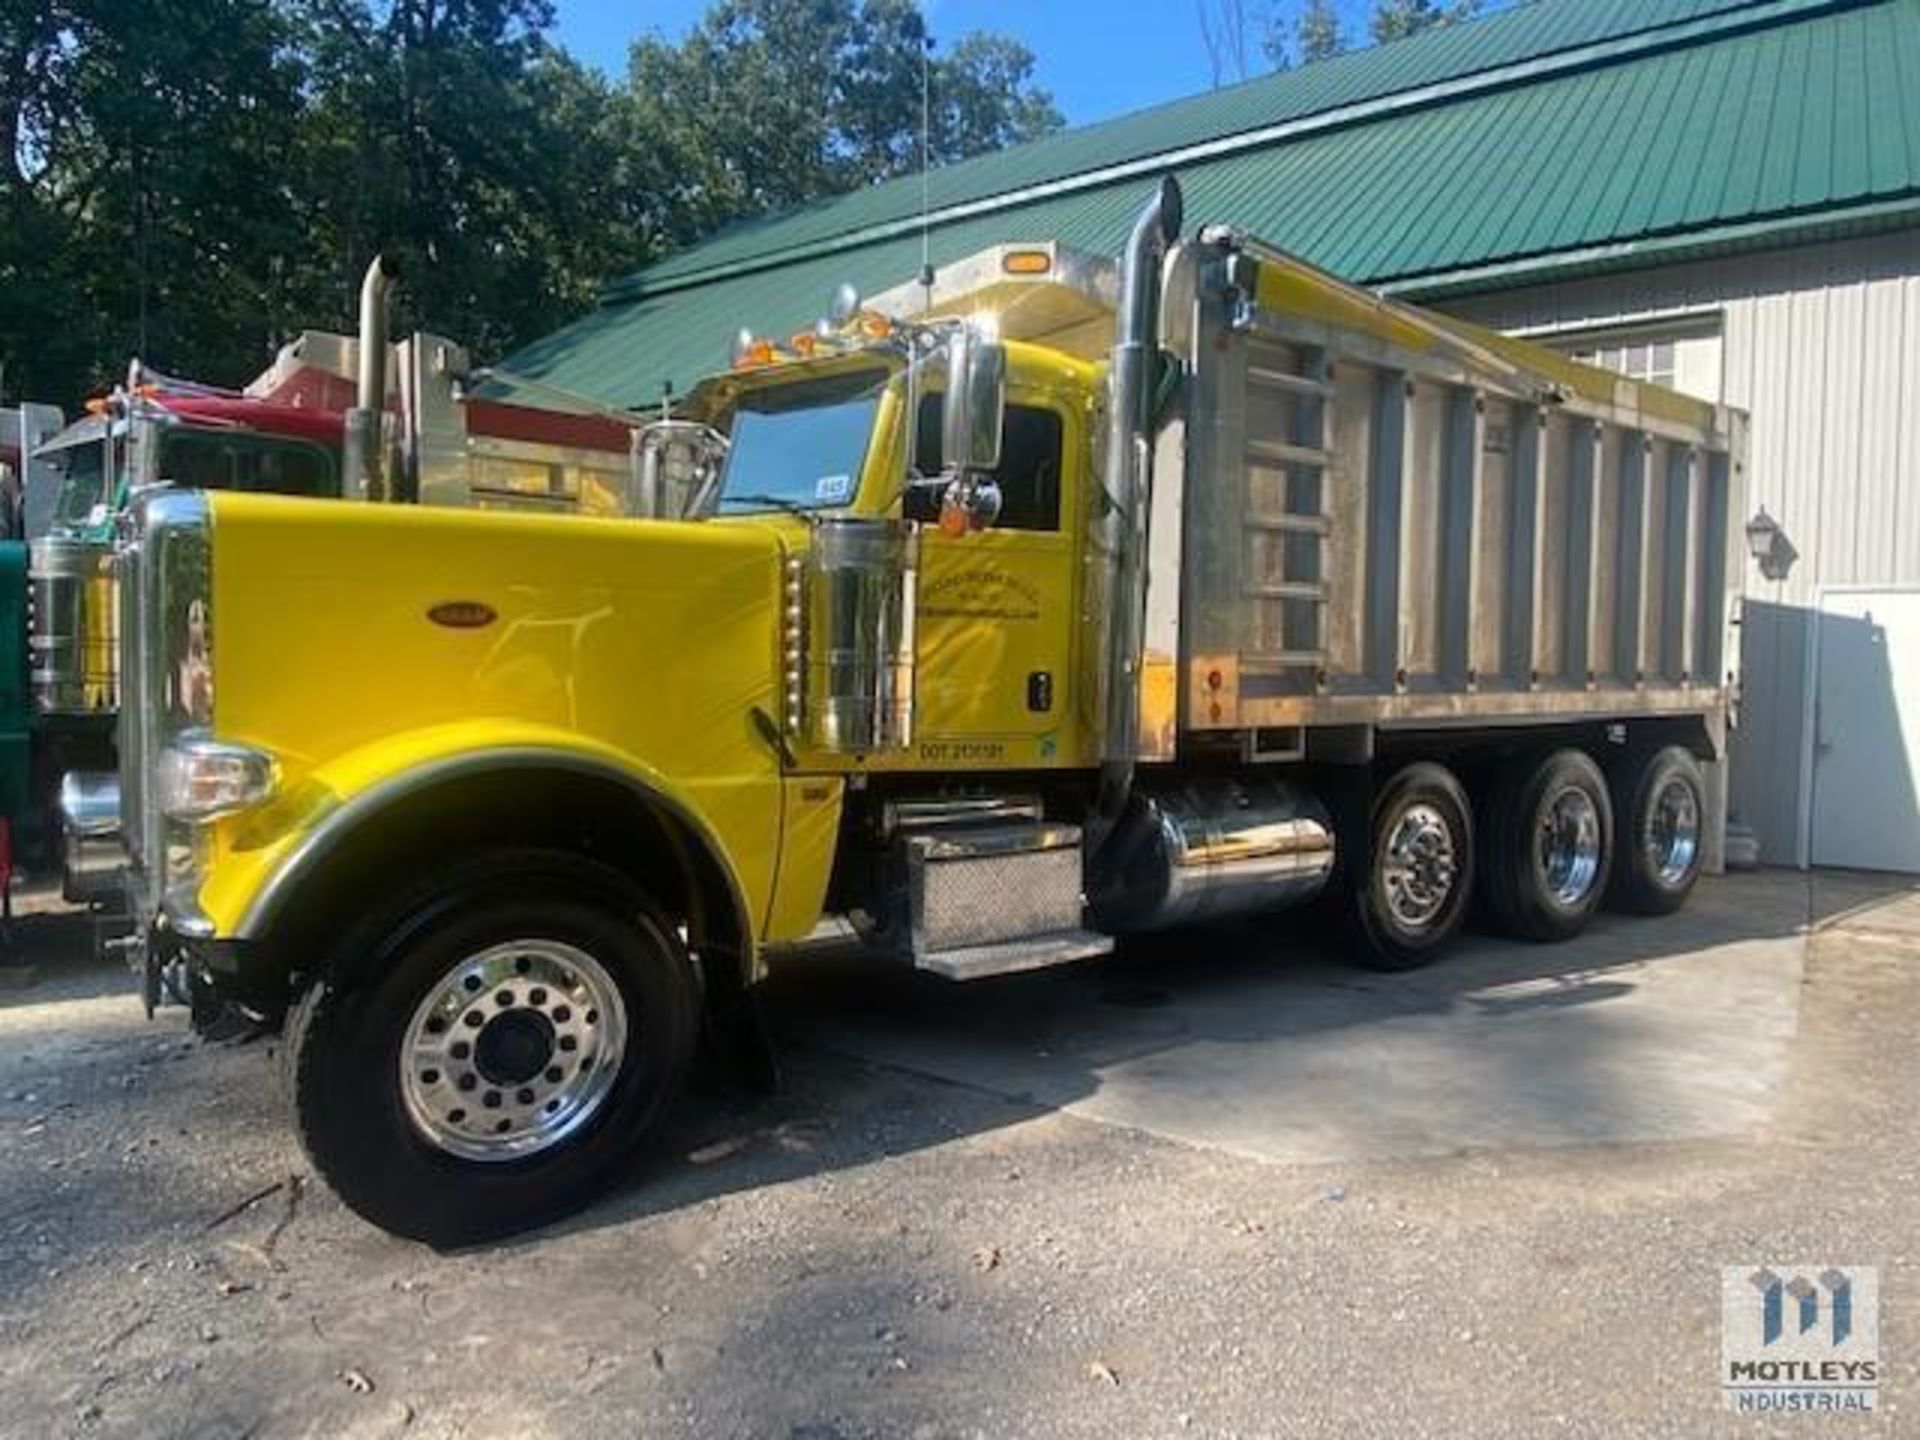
201 778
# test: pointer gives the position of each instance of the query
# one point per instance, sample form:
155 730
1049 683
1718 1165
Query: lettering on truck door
997 607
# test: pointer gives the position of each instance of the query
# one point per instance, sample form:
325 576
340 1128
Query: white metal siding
1821 344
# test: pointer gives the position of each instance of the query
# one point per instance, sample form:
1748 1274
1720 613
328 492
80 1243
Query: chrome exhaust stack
1128 483
363 455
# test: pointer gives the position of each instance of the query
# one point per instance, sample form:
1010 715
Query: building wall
1821 345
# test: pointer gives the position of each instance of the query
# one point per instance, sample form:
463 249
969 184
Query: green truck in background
28 486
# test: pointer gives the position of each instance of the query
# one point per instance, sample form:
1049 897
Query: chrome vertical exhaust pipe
363 457
1128 482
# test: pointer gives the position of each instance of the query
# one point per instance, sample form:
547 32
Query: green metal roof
1564 135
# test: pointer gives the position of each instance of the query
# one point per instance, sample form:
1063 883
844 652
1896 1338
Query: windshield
82 470
803 444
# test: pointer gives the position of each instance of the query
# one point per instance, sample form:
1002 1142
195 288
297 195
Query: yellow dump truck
1047 602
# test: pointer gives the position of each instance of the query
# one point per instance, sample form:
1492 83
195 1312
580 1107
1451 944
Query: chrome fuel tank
1209 849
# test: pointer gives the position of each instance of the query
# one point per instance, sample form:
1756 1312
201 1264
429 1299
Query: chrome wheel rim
513 1050
1673 831
1421 866
1570 846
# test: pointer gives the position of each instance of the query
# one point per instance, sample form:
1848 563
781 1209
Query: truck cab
823 437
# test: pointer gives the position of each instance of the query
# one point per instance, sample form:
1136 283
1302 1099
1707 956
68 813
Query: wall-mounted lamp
1769 545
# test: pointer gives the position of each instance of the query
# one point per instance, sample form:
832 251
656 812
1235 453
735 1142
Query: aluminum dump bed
1366 513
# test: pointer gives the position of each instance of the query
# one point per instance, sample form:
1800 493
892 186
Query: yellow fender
269 855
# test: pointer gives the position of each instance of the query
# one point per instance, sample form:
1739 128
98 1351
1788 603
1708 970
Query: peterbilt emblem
463 614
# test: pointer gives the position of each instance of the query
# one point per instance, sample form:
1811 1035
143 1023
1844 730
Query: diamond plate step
1009 957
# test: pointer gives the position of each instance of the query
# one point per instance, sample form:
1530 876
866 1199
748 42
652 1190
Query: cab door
998 608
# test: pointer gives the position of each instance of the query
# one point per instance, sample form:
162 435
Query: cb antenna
926 160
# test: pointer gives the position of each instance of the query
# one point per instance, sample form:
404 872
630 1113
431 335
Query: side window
1029 472
199 460
287 469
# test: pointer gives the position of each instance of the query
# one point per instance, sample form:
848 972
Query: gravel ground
872 1253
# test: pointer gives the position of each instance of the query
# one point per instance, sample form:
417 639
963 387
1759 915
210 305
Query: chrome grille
133 690
165 567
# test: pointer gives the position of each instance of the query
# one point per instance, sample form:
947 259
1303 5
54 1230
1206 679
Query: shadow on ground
1260 1040
1257 1040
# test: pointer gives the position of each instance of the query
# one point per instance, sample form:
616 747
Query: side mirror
974 411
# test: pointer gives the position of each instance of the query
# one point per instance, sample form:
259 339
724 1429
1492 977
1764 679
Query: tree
142 178
1223 31
194 181
1317 32
1397 19
1300 37
768 104
450 134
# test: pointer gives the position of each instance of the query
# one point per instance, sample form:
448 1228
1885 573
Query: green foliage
195 180
772 103
1302 34
1317 32
1397 19
140 183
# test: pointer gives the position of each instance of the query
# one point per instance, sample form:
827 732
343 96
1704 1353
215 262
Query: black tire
1643 883
1386 935
1527 893
345 1038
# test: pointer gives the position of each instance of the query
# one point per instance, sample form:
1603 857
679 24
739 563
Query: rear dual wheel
1661 797
1547 845
1546 850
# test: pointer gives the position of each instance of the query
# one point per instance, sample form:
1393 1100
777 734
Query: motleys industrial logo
1799 1339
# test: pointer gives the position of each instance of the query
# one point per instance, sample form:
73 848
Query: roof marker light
845 303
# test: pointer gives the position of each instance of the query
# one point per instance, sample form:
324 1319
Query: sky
1098 57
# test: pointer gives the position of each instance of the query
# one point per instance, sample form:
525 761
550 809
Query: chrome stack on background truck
1051 603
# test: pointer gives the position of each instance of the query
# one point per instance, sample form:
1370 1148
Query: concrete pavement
901 1247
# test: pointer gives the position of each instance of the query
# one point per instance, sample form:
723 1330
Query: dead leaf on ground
1100 1370
251 1251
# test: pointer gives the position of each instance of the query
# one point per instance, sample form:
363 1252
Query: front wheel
483 1055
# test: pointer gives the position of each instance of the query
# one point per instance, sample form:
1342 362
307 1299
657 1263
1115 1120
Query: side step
995 899
977 962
